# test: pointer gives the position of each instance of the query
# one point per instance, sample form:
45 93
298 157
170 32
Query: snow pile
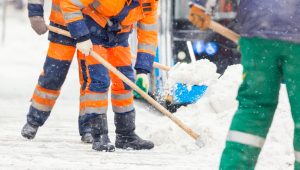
222 94
201 72
213 128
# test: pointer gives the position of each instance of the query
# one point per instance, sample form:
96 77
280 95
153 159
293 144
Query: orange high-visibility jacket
36 8
144 14
56 15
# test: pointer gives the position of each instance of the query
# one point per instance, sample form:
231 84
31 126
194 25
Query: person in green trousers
270 48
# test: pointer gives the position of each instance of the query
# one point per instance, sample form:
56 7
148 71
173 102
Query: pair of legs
265 63
94 100
59 57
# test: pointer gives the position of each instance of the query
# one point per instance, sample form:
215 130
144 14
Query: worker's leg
258 98
94 100
54 72
122 101
291 72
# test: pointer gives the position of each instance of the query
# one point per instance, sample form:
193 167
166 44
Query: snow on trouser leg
55 69
258 98
126 138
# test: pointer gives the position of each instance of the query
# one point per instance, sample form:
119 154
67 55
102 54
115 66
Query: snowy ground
58 146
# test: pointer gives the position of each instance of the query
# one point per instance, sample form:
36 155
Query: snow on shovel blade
187 83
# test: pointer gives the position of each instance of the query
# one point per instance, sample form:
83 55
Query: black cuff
141 71
35 10
83 38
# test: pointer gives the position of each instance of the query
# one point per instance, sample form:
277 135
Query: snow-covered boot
87 138
29 131
126 138
101 140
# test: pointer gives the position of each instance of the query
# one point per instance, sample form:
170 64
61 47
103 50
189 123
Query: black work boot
125 135
101 140
87 138
29 131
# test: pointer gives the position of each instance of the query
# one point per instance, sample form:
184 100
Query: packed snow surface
57 144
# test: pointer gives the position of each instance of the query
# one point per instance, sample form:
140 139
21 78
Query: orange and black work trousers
56 66
94 96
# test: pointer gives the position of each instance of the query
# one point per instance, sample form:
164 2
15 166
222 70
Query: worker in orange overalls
60 54
104 26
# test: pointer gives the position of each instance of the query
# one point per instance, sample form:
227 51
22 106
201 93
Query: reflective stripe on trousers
93 103
297 156
147 47
44 99
245 138
122 103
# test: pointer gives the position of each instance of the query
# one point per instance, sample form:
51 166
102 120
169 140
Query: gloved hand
199 18
38 24
142 82
85 47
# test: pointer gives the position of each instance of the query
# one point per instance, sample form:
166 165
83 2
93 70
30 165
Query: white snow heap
222 94
201 72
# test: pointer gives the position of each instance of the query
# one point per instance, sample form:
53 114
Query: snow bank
222 94
201 72
277 153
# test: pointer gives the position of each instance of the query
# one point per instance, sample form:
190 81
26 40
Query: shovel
159 107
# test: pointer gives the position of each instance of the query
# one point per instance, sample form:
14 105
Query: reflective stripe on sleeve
148 27
246 139
56 8
147 47
77 3
71 15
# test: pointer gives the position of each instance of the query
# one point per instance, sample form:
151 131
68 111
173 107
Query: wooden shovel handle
159 107
216 27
